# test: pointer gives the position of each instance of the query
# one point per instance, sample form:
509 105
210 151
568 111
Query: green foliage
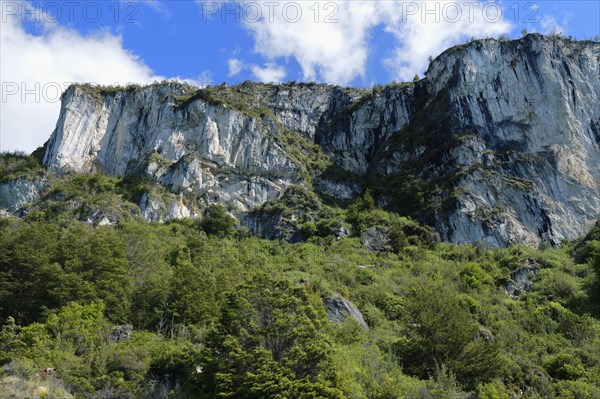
565 367
492 390
474 276
217 222
83 197
219 314
309 229
16 164
268 343
442 331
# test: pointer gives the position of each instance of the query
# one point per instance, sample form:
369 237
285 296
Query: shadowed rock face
499 143
376 239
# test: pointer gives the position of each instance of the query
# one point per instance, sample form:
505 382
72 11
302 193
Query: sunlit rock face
499 143
18 192
212 151
529 115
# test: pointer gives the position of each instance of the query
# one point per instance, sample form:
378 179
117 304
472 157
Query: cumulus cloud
36 68
269 73
330 40
234 66
432 27
205 78
327 39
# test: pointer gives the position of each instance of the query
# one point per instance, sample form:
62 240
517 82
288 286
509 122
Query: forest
201 308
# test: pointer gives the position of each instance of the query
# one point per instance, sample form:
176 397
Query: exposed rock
500 142
283 219
341 232
14 194
376 239
342 190
105 222
529 153
520 280
159 209
338 309
121 333
214 152
98 216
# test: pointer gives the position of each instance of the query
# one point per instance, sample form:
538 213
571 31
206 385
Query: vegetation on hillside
218 313
15 165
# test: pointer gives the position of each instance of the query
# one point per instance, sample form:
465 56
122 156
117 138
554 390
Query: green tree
29 274
268 343
193 297
442 331
217 222
107 268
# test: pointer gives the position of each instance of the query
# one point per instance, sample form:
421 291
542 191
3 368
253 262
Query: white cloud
338 51
38 67
330 45
269 73
204 78
159 7
422 35
235 66
550 24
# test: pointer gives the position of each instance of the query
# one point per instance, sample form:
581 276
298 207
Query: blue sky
48 44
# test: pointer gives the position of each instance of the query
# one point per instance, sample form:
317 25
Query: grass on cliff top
246 101
97 91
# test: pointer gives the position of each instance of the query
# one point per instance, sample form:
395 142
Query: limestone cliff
499 143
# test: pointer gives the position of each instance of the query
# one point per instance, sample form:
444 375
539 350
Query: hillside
429 240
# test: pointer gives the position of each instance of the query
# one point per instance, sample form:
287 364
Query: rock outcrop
521 279
15 193
376 239
339 309
121 333
499 143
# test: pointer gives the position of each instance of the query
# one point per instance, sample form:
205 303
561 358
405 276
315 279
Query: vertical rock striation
499 143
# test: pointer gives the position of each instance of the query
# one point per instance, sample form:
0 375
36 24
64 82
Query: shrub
217 222
565 367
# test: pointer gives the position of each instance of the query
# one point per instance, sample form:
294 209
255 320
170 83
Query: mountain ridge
499 143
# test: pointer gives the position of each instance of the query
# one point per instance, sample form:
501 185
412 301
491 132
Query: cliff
499 143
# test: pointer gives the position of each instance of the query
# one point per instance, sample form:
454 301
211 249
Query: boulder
339 309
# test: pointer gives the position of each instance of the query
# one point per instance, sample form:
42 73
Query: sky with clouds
46 45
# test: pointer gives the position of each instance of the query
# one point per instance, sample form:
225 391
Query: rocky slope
499 143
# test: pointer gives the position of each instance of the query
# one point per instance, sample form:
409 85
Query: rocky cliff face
527 165
209 150
499 143
20 191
